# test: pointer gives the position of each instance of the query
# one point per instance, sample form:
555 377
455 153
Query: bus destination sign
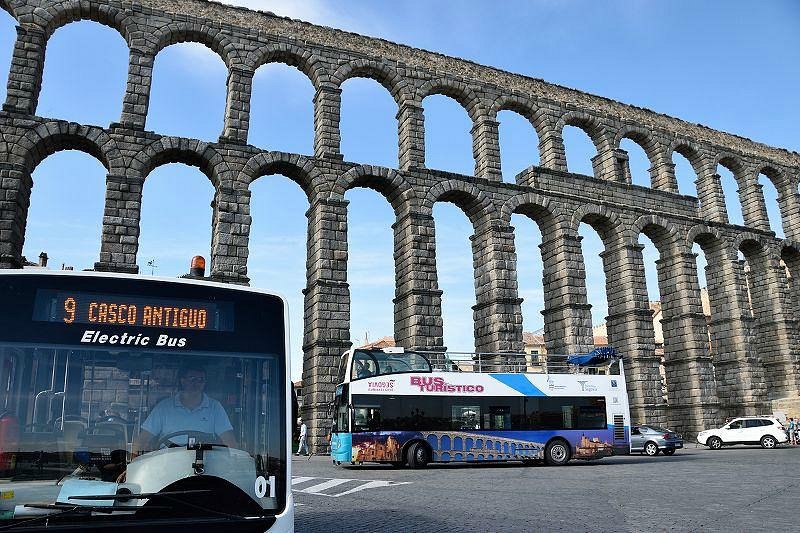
122 310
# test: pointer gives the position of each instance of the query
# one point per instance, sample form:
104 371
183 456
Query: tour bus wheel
417 456
557 453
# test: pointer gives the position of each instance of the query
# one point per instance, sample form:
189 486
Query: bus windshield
370 363
89 413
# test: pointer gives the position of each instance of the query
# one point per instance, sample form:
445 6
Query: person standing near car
792 432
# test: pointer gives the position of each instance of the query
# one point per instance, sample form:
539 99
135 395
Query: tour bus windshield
369 363
85 407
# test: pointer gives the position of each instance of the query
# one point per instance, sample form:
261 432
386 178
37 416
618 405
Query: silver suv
764 430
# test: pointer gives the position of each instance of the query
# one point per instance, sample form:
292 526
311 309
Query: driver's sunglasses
196 379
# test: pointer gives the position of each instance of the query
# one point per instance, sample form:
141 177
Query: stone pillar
15 198
27 66
567 313
418 300
237 106
612 165
137 92
789 203
486 148
754 210
662 176
740 377
777 342
327 108
711 196
552 154
630 330
326 321
121 216
691 390
411 136
230 235
497 313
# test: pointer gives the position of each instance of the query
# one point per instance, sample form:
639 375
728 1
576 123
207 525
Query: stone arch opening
276 233
596 282
686 174
448 142
728 170
780 200
518 142
455 275
527 245
74 66
369 122
282 109
579 150
182 68
72 242
636 169
371 269
167 251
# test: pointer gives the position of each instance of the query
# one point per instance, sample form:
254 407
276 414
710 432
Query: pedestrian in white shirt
302 448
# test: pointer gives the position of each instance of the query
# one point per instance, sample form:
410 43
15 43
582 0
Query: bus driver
190 411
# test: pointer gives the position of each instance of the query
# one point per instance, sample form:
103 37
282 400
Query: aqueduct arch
741 373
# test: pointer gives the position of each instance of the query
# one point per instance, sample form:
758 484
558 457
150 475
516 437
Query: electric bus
130 403
395 406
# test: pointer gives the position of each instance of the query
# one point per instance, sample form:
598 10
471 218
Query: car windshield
657 429
75 417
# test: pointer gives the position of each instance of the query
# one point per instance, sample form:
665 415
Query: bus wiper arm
142 496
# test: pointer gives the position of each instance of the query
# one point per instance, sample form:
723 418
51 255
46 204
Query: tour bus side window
499 417
465 417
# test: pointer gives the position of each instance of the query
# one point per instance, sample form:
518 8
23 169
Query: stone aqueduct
754 324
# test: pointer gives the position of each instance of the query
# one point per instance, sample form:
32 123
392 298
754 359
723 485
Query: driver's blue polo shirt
171 416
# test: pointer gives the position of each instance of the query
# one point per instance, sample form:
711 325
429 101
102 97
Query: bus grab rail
507 362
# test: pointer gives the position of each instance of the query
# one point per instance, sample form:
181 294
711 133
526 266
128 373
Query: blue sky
731 65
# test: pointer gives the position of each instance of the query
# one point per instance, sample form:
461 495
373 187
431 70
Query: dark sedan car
654 439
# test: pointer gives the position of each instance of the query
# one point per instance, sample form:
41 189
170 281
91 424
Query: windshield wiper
143 496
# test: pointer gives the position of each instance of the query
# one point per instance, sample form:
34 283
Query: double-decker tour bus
394 406
131 402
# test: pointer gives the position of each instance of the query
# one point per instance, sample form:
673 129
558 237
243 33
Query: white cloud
315 11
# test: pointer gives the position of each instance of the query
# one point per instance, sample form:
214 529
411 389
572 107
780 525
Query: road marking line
325 485
329 483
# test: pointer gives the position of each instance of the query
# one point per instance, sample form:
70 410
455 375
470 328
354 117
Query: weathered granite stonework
754 324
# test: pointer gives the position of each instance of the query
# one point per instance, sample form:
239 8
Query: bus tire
417 455
557 452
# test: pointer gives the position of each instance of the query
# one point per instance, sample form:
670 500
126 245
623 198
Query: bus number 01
262 484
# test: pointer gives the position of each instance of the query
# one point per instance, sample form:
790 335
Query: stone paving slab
734 489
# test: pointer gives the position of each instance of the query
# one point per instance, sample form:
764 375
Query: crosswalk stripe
318 486
324 485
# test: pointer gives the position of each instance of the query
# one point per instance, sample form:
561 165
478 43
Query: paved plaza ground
734 489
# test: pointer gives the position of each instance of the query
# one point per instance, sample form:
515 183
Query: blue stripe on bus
519 383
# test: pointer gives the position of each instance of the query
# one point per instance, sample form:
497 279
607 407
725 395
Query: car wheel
557 453
715 443
769 442
651 449
669 451
417 455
